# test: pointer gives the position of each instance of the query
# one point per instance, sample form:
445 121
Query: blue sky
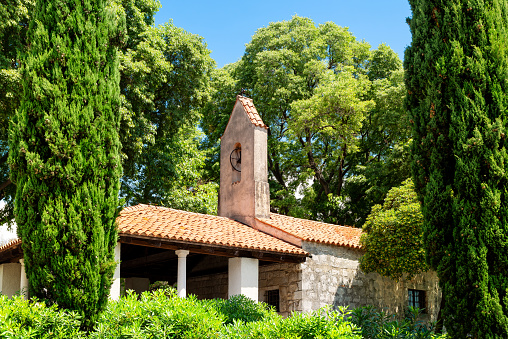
227 26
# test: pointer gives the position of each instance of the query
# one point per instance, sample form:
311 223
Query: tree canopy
335 114
164 73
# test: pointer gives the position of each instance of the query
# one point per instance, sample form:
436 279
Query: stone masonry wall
282 276
285 277
332 277
209 286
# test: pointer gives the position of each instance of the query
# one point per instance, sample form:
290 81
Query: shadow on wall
332 277
357 289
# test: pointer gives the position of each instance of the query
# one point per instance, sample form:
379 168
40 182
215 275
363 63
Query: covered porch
205 255
207 271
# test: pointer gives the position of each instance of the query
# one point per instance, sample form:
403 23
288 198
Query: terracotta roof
167 223
251 111
315 231
171 224
10 244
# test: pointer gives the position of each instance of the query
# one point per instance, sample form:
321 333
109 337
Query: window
416 298
272 298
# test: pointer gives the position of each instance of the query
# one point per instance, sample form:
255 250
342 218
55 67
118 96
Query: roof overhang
211 249
11 252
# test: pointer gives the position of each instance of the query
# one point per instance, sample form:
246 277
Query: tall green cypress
64 154
457 81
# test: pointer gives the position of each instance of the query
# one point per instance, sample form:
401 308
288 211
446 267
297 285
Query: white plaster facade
243 277
10 278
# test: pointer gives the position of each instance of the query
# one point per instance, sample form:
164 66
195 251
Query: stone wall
332 277
209 286
282 276
285 277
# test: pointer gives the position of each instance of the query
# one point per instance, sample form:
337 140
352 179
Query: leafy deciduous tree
313 171
14 19
164 85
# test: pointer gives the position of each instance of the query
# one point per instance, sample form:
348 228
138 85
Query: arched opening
235 159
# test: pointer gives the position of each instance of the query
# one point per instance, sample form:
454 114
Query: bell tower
244 192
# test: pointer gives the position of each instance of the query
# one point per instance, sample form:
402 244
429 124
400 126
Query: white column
181 281
23 284
243 277
114 293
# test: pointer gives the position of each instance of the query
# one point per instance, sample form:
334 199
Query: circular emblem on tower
236 159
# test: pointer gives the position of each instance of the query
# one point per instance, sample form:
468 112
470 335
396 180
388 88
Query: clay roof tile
315 231
198 228
10 244
251 111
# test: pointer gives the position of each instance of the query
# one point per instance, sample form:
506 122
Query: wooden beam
218 250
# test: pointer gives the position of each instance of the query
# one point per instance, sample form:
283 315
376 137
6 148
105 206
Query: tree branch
5 184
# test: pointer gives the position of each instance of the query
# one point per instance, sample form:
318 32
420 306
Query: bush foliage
375 324
20 318
162 314
393 240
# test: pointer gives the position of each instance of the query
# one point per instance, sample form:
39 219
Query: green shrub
241 308
158 314
375 324
20 318
162 314
321 324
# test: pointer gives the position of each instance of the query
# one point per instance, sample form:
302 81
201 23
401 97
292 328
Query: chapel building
293 264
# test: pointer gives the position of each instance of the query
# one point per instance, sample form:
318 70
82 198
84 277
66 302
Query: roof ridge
315 231
320 222
276 227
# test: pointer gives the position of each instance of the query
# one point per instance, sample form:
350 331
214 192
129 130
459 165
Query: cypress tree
64 154
457 81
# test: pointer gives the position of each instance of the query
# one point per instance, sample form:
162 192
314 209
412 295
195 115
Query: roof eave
213 249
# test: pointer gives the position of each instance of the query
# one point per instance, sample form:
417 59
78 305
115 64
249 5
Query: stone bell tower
244 192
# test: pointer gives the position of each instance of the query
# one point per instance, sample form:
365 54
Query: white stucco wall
10 278
243 277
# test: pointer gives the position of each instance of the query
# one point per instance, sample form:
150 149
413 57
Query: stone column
243 277
181 281
114 293
23 284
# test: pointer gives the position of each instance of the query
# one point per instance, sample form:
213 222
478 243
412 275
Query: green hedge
162 314
376 324
26 319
